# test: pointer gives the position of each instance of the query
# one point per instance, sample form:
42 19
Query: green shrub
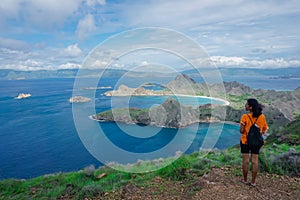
90 191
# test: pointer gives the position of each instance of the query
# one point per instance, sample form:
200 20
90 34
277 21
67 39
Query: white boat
23 95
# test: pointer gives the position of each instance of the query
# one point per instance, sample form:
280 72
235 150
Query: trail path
219 183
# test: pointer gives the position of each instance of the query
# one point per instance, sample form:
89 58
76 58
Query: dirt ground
219 183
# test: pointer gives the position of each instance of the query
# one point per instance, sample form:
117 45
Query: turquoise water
38 135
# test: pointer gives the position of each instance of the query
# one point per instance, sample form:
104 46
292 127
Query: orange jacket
260 122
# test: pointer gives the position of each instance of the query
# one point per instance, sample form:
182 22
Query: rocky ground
221 183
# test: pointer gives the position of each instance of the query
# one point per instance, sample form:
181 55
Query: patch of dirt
219 183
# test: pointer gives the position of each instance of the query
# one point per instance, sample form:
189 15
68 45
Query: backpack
254 137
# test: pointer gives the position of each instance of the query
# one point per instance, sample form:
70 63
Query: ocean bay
38 135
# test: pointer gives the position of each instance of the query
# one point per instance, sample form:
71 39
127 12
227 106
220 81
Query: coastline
4 99
226 103
200 121
232 123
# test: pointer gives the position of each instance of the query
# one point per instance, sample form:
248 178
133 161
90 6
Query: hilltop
280 107
285 102
204 175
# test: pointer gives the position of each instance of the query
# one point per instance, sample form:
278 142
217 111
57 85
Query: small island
23 96
79 99
124 90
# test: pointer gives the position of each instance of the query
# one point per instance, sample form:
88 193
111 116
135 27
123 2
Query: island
169 114
124 90
280 107
23 96
79 99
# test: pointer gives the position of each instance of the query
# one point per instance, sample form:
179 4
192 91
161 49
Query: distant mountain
66 73
8 74
272 73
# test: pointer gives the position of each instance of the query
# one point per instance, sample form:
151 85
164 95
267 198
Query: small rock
100 176
292 150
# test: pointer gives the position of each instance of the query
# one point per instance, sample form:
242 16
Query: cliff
169 114
280 107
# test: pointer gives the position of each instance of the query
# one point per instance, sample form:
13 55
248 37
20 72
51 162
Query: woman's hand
242 128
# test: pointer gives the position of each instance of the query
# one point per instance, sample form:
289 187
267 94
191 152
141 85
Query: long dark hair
256 107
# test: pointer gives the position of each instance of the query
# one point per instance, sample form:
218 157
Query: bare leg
254 167
245 165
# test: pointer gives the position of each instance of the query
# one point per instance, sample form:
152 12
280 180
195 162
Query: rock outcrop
23 96
289 161
124 90
169 114
79 99
280 107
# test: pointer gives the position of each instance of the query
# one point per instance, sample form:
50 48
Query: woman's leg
254 167
245 157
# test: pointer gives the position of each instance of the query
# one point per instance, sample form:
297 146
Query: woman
254 116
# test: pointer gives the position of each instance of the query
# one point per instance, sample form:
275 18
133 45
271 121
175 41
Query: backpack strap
251 119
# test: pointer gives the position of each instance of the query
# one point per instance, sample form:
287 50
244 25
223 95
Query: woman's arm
264 125
242 128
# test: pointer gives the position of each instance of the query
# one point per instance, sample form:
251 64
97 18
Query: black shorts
245 148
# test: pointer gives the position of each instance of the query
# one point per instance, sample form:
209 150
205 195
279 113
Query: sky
56 34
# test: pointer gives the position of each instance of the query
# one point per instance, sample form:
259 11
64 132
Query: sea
41 134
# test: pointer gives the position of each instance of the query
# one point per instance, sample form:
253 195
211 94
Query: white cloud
10 8
182 14
228 61
72 50
94 2
99 64
33 65
36 59
223 61
90 2
145 63
26 65
85 26
12 44
41 13
266 30
102 2
69 66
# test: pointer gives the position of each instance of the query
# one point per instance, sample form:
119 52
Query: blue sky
56 34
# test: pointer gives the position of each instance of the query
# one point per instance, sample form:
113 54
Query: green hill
184 171
289 134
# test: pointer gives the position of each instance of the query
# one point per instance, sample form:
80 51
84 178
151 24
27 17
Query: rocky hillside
169 114
287 102
280 107
289 134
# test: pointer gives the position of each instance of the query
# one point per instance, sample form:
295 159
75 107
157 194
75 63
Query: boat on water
23 95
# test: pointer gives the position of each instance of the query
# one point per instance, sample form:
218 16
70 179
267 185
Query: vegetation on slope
91 182
289 134
279 156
